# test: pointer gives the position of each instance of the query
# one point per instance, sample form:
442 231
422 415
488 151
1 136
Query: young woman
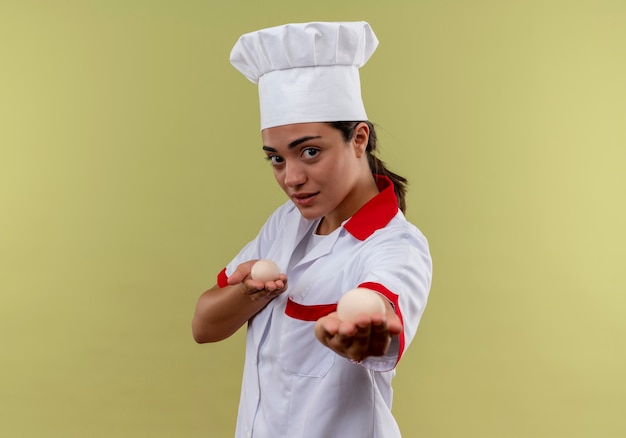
307 373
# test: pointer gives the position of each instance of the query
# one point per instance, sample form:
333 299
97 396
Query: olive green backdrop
131 172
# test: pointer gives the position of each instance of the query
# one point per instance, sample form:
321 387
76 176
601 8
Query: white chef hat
307 72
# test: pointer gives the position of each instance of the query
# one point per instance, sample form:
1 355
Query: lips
304 199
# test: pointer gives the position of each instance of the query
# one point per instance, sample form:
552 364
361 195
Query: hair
376 165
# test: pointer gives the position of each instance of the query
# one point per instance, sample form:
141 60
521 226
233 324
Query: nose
294 174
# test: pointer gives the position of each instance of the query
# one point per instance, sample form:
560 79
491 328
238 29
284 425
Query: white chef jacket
293 386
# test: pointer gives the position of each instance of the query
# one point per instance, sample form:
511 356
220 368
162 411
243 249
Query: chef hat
307 72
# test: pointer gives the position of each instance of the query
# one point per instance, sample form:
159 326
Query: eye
308 153
274 159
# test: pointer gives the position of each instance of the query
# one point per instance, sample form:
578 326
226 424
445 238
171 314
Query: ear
360 139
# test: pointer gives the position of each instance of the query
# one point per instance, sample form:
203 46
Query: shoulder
399 232
399 249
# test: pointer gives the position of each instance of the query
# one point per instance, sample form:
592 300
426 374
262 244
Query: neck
364 191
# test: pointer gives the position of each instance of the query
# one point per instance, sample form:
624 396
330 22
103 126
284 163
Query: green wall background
131 172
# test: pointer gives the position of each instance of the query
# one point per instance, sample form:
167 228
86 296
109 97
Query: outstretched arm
221 311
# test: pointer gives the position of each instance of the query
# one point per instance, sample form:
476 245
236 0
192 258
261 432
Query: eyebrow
294 143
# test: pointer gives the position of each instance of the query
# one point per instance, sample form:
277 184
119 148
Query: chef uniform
293 386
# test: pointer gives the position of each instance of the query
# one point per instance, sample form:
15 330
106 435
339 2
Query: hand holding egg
361 327
359 301
265 270
265 279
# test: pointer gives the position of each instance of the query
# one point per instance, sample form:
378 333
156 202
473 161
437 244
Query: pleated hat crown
307 72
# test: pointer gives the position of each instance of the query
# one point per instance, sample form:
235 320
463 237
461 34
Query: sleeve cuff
222 278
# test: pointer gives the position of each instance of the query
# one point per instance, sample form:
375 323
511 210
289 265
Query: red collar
376 213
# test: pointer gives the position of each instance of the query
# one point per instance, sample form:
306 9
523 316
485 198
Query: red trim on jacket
308 313
222 278
396 306
376 213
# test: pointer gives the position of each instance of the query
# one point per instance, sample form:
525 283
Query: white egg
265 270
358 301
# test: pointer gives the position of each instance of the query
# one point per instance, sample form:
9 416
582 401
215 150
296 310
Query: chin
309 213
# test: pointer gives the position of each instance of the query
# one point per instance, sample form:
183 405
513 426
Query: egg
265 270
359 301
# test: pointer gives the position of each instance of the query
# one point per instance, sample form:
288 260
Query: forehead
279 136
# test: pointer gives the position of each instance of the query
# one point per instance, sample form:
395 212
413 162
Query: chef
307 373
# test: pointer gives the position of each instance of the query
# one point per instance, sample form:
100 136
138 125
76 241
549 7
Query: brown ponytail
376 165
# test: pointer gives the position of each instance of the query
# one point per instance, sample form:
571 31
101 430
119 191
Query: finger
331 325
380 339
379 345
355 336
242 271
394 324
235 277
333 341
362 338
358 351
251 287
377 318
270 286
344 336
